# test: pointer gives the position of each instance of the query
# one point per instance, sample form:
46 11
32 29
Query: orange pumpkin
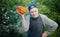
21 9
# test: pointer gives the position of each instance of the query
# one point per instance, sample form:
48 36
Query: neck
35 17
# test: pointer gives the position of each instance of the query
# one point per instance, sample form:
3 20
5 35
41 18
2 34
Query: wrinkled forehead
33 9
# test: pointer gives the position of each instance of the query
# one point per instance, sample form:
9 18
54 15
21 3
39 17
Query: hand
22 15
44 34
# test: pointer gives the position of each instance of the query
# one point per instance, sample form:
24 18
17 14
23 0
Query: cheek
36 13
31 13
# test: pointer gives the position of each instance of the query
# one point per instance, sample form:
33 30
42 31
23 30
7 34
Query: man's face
34 12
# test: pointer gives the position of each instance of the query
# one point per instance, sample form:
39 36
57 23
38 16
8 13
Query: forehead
33 9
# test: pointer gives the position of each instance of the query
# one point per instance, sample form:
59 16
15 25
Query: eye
31 12
35 11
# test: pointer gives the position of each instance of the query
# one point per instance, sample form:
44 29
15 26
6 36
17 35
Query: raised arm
25 23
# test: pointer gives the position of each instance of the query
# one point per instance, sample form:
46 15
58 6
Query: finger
18 12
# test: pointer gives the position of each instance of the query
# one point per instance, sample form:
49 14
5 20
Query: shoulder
43 16
27 17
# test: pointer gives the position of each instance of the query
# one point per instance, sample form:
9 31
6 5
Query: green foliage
8 14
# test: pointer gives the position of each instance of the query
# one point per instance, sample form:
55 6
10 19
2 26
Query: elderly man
34 23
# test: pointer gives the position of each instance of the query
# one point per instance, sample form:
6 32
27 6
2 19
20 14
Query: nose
33 13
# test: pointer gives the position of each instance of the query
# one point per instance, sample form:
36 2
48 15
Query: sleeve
53 25
25 24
